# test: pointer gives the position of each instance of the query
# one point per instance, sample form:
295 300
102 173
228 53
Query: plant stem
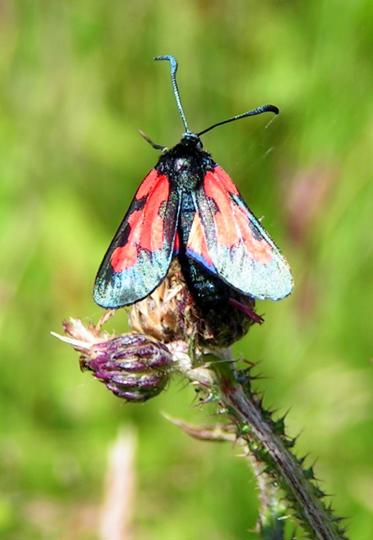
273 512
282 465
272 509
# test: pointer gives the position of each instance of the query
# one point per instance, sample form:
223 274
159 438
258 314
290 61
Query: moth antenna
173 67
258 110
152 143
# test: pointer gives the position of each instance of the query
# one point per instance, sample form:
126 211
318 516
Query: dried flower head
137 366
170 313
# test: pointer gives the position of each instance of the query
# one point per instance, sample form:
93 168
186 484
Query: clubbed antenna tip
173 67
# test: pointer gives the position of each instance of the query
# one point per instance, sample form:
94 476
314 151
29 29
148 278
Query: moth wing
140 253
229 241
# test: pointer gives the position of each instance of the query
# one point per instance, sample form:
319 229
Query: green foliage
77 81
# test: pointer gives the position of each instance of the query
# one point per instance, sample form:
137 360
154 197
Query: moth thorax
181 164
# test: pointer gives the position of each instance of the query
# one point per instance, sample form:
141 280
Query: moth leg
250 313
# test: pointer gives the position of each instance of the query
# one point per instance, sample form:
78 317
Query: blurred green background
77 81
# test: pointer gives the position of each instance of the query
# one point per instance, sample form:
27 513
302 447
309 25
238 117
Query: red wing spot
146 227
147 184
123 258
225 179
259 250
231 222
197 241
152 230
226 228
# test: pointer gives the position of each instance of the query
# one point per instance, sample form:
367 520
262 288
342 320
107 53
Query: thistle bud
132 366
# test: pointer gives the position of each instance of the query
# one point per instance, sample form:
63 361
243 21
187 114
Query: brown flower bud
170 313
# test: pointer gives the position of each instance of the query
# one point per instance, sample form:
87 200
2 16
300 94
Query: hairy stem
135 367
284 467
273 512
272 509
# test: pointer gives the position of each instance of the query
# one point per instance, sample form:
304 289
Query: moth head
191 140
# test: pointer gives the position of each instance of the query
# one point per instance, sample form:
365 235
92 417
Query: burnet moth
188 207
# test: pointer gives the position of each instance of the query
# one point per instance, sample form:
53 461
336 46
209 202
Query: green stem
256 425
272 511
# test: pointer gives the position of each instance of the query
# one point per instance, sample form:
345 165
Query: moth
188 207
